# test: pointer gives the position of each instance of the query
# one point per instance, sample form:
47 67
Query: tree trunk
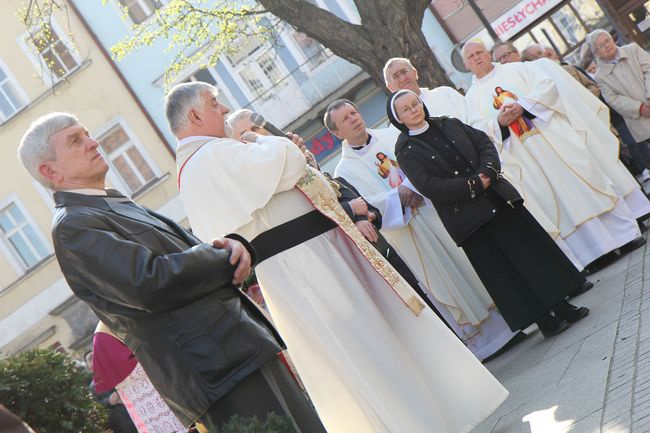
389 28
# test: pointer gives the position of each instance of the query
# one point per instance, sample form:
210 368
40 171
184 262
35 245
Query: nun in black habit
457 167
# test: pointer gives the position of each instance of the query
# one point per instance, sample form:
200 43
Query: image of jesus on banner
389 169
523 127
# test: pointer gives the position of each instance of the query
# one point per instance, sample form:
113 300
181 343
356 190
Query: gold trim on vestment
323 199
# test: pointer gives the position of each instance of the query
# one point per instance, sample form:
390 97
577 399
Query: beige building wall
37 308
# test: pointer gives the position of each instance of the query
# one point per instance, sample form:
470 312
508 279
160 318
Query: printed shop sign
517 18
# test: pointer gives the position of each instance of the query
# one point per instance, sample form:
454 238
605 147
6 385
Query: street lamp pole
486 23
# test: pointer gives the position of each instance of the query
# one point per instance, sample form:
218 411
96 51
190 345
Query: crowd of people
434 244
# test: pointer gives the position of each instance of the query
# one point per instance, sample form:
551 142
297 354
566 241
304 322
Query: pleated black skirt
521 267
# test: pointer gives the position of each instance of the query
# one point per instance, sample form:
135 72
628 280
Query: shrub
49 392
272 424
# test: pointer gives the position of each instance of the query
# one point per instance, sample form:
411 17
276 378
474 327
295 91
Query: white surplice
445 101
422 241
556 167
589 116
368 363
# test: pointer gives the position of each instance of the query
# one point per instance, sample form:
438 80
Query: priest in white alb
373 359
412 227
522 110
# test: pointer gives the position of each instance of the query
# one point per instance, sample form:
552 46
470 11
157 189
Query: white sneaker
645 175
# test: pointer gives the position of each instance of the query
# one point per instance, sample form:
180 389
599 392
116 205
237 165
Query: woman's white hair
181 99
36 148
591 38
235 117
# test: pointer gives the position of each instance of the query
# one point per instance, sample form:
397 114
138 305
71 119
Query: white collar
86 191
419 130
193 138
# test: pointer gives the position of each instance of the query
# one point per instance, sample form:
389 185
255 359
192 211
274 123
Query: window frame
9 251
34 55
20 92
113 175
252 63
217 79
120 10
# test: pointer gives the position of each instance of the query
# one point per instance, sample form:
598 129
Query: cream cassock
370 365
557 168
423 242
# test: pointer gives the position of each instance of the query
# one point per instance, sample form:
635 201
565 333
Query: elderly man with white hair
365 346
624 78
173 299
520 107
399 73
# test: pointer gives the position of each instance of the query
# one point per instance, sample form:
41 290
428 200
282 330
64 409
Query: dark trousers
639 152
270 389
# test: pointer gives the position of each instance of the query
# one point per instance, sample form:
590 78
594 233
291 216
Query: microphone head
257 120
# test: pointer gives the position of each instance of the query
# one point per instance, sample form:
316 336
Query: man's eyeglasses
505 55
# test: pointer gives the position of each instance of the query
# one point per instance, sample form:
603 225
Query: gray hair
327 118
181 99
591 38
526 52
473 42
502 44
391 62
234 117
36 148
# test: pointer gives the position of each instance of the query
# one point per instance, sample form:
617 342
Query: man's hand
367 230
486 181
298 141
645 110
114 399
359 206
509 113
249 136
238 256
409 198
371 216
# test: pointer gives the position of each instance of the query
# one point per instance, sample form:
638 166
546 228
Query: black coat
167 294
460 200
347 194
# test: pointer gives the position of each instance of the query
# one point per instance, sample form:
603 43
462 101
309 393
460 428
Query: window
53 52
10 101
140 10
207 76
258 67
21 237
314 52
127 160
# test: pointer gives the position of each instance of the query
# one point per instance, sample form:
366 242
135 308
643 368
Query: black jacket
347 194
167 294
460 200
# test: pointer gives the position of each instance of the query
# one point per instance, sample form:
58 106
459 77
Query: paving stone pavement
594 377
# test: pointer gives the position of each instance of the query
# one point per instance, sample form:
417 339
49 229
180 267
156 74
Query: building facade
290 84
37 308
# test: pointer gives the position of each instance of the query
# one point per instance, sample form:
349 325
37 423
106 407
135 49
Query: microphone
258 121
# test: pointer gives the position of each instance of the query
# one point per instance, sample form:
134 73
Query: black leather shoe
632 245
550 326
586 286
569 312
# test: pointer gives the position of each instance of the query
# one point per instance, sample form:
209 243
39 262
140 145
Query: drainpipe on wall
126 84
